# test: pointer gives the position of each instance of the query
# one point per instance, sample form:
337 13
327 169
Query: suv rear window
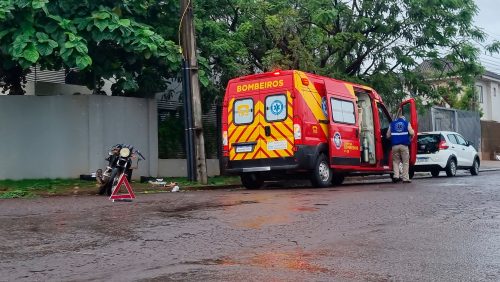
428 143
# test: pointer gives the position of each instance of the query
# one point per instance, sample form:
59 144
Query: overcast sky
488 19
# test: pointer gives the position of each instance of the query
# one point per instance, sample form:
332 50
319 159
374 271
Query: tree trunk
189 53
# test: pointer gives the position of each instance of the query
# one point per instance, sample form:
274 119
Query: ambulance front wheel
251 180
322 174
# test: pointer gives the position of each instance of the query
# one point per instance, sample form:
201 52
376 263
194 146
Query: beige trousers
401 153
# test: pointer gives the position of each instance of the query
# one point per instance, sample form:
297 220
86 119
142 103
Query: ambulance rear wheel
251 180
322 174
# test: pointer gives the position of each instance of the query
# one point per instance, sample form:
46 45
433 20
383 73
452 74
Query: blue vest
399 132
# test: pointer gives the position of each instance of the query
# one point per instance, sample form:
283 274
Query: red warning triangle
123 180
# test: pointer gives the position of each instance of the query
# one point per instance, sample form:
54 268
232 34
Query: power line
491 62
483 54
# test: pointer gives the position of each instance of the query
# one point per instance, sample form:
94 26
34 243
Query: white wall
178 167
491 99
484 105
65 136
495 101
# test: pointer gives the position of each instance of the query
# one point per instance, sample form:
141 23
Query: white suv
445 150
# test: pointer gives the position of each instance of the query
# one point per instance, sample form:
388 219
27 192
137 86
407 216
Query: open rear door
409 110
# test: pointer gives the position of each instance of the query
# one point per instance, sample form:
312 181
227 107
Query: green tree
376 42
104 39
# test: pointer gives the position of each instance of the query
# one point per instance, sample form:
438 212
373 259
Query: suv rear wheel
474 170
451 168
435 172
251 180
322 174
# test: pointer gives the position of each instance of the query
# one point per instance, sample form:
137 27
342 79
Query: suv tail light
443 145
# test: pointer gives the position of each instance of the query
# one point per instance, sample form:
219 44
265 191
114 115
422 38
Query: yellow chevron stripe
230 107
258 134
237 131
253 155
239 156
287 133
312 98
350 88
249 129
230 114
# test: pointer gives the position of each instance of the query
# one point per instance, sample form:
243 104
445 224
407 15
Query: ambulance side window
343 111
243 111
276 108
383 118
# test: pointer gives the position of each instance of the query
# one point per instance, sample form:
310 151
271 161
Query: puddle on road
305 209
293 261
271 209
258 222
298 261
202 206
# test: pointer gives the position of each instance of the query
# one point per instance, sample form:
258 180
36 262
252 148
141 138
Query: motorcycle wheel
102 189
113 180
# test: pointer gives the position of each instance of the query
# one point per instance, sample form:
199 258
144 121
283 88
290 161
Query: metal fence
171 137
490 138
443 119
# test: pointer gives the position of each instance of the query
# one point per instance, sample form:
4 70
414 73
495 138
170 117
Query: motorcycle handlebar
139 153
128 146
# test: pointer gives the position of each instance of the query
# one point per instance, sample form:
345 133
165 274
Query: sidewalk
489 165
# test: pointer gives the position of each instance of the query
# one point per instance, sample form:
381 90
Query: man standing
400 133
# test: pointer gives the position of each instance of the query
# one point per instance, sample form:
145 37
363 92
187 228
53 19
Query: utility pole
190 66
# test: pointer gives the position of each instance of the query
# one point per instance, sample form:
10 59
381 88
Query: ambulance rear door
409 110
277 120
244 127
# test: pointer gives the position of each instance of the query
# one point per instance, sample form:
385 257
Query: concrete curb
239 186
192 188
489 169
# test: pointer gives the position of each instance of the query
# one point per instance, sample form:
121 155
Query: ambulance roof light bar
261 75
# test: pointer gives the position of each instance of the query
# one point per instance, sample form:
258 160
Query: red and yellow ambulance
291 123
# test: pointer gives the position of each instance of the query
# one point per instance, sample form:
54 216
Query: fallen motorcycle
120 161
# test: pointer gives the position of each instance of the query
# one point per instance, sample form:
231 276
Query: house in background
483 130
48 83
488 95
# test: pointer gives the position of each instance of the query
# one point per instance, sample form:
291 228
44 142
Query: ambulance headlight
124 152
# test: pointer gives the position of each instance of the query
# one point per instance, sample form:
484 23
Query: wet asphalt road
435 229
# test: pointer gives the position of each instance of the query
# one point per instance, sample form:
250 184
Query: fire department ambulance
291 123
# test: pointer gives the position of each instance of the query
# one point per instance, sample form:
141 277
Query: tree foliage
104 39
376 42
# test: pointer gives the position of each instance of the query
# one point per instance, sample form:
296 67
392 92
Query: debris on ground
157 182
173 186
